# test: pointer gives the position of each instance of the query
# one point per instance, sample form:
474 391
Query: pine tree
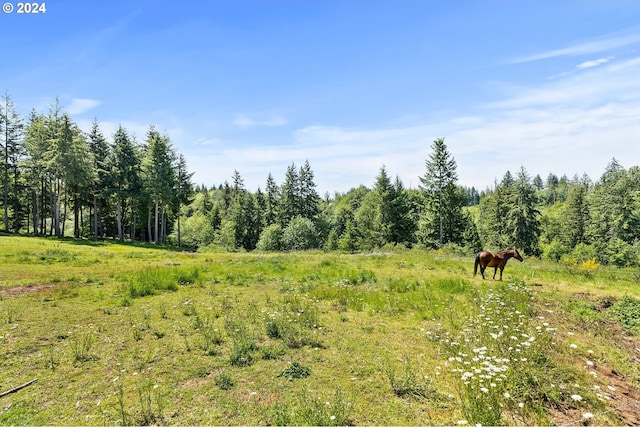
271 201
125 170
159 177
11 142
101 187
309 199
442 220
290 204
522 218
184 188
575 216
36 143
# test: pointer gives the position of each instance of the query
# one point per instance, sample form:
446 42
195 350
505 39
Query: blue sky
553 86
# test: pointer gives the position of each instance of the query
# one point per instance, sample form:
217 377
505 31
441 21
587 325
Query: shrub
554 251
270 239
300 234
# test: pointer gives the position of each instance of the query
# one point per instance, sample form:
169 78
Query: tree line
56 177
58 180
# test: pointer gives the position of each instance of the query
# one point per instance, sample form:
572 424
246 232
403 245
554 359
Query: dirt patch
17 291
621 400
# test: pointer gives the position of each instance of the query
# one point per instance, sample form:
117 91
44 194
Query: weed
242 352
51 360
322 412
151 403
271 352
409 383
187 276
211 339
627 312
224 381
295 370
12 313
81 345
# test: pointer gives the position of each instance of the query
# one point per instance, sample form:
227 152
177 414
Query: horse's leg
482 268
501 273
495 270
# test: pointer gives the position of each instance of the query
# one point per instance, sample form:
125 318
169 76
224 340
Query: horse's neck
507 255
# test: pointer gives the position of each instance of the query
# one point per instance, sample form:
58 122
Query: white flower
587 415
520 405
463 422
506 395
484 389
576 397
332 417
573 346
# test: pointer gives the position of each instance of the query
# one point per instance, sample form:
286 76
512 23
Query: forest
60 181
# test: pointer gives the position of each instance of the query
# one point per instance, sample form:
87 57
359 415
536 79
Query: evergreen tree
522 218
290 204
442 221
404 217
79 171
36 143
184 188
271 201
575 216
100 150
11 143
159 178
125 177
309 199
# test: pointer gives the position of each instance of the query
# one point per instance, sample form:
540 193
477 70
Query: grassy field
129 334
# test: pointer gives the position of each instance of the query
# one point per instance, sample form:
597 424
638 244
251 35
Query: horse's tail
475 265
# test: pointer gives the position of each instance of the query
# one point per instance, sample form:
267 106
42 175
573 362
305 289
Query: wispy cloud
589 47
594 63
244 121
81 105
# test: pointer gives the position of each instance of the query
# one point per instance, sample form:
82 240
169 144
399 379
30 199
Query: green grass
130 334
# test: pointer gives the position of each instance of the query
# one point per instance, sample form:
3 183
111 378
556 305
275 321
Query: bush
554 251
300 234
583 252
195 231
270 239
620 253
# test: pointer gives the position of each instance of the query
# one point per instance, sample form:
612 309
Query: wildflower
506 395
587 415
589 363
463 422
576 397
484 389
573 345
521 405
332 417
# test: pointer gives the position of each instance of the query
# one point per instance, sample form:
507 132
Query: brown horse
499 260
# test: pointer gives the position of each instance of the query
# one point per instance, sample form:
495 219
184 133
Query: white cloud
602 44
243 121
594 63
81 105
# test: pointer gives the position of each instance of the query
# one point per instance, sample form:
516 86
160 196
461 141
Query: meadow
126 334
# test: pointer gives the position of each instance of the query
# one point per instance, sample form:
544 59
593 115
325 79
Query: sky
351 86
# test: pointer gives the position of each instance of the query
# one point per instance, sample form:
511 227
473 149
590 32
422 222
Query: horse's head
517 255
